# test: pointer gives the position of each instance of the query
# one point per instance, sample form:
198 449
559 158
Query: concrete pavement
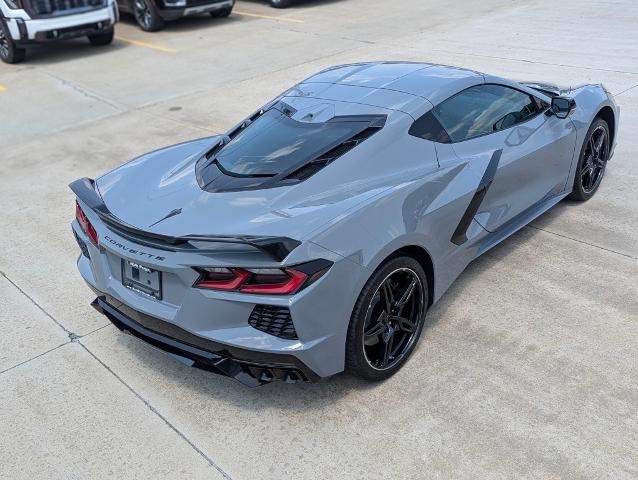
528 365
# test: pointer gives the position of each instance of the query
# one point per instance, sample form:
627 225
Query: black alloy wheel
147 16
593 161
9 52
387 320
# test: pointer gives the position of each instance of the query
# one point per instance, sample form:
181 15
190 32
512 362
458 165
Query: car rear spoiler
84 188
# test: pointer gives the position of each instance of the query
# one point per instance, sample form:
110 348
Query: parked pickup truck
27 22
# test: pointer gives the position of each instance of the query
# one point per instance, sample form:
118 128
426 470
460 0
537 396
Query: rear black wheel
9 51
147 16
592 162
104 38
222 12
280 3
387 319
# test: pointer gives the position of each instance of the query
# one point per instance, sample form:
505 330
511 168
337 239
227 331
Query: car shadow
184 24
66 50
295 3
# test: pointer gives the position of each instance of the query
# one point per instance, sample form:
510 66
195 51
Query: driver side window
484 109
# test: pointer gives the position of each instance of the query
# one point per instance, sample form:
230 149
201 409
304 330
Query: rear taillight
85 225
269 281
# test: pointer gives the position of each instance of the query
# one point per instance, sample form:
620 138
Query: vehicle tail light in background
85 225
268 281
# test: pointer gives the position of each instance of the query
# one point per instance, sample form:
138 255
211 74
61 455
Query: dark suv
151 14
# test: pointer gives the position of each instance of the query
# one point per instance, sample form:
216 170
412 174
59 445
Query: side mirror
562 106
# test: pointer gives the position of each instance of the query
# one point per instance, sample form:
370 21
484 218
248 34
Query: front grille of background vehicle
273 320
53 7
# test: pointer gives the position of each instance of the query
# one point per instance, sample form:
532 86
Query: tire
147 16
9 51
280 3
222 12
592 161
373 333
104 38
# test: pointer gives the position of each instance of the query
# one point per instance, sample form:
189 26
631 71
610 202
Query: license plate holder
142 279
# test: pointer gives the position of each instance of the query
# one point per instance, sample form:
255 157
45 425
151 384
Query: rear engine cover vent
317 164
273 320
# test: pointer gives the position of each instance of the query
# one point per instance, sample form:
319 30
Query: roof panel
432 82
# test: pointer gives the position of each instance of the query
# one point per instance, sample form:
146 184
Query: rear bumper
251 368
169 12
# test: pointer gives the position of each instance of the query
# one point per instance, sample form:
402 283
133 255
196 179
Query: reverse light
85 224
268 281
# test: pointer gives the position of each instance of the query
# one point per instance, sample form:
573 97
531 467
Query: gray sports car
313 236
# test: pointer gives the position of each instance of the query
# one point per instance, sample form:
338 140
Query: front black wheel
147 16
592 161
387 320
9 51
222 12
104 38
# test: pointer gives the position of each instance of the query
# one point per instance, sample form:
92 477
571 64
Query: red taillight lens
222 278
276 285
85 225
273 281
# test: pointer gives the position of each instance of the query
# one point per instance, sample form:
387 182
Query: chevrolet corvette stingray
313 236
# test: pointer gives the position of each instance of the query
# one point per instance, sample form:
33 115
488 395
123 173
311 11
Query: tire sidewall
15 54
356 362
578 192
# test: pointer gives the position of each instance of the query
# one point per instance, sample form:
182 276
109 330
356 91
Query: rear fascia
222 317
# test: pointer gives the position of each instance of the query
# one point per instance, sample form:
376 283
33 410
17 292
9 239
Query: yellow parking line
152 46
268 17
3 88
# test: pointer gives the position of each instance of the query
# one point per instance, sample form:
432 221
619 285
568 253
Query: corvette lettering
132 251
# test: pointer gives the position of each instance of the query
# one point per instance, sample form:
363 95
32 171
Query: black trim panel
249 367
277 247
459 236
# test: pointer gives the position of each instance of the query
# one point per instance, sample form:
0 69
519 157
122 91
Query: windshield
274 143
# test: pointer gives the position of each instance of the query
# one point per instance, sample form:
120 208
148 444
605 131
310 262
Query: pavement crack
86 93
66 330
625 90
33 358
582 241
157 412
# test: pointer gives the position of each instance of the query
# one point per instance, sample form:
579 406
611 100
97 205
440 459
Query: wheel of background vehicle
104 38
222 12
387 319
9 52
147 16
592 161
280 3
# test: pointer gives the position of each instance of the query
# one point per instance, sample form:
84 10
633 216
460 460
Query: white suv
25 22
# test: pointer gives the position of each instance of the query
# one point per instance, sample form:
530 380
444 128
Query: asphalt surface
527 369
